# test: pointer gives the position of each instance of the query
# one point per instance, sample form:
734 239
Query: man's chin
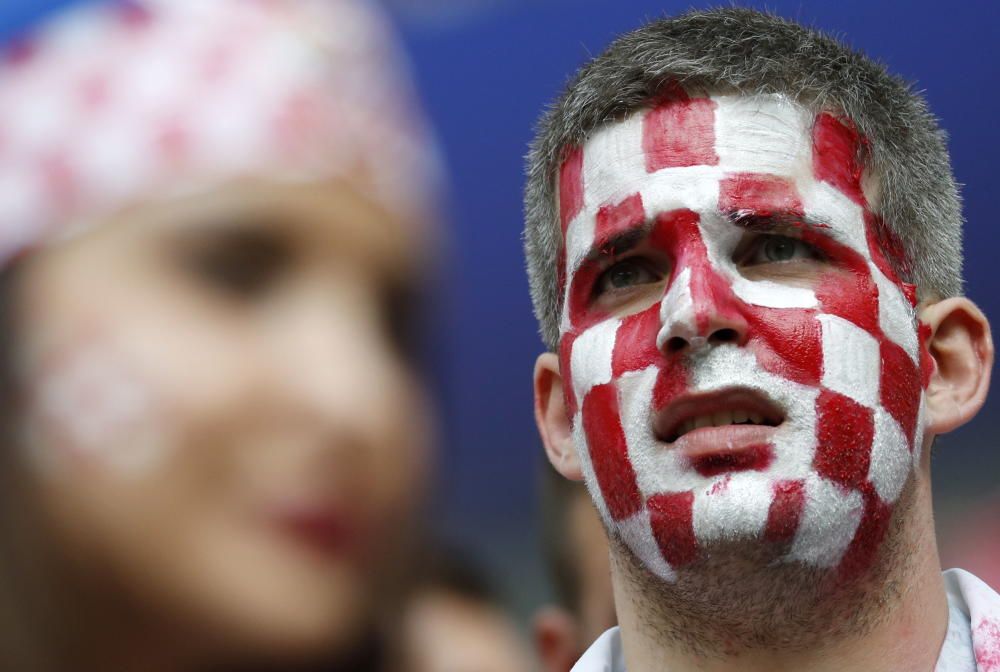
750 591
737 557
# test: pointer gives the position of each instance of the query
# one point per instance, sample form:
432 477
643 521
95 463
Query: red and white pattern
118 101
842 358
92 404
975 620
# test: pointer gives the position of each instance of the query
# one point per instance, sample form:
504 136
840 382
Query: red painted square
899 387
565 352
618 217
672 381
886 247
844 432
609 452
635 342
758 193
850 295
787 343
671 519
837 150
869 536
680 132
785 512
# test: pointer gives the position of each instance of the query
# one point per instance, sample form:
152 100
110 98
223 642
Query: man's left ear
961 348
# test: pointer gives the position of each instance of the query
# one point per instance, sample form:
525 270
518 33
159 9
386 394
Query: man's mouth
726 408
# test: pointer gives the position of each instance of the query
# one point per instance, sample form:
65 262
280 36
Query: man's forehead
680 152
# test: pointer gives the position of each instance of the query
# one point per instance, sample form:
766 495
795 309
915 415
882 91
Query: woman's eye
772 249
625 274
243 268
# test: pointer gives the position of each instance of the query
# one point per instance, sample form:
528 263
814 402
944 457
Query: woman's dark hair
23 602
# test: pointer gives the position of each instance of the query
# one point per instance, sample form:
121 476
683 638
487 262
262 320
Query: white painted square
638 534
762 134
768 294
896 316
732 508
590 360
614 163
587 468
693 188
890 459
657 469
579 240
851 360
825 204
830 517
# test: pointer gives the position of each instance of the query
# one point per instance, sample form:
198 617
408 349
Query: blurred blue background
486 69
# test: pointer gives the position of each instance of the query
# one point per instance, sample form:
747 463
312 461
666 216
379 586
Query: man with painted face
743 243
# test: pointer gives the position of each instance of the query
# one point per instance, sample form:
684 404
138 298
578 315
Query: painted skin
722 267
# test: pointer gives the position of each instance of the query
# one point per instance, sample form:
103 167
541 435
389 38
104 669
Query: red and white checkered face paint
116 102
738 402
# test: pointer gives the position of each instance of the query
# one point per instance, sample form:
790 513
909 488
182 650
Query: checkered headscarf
116 101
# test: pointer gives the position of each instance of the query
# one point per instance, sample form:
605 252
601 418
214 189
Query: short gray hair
750 52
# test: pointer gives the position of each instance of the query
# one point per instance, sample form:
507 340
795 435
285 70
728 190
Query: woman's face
221 410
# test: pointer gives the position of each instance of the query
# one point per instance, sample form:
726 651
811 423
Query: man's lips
721 432
737 411
718 450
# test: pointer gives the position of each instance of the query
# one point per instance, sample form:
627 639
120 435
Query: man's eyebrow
781 220
623 241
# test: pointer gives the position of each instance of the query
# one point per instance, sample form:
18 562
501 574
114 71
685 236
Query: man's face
740 361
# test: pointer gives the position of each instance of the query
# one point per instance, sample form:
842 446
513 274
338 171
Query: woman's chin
277 603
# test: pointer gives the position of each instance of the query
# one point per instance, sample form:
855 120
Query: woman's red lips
324 530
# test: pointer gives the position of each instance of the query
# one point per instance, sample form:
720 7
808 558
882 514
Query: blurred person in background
579 566
973 540
215 223
454 621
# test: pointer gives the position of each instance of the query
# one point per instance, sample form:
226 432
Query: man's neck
722 616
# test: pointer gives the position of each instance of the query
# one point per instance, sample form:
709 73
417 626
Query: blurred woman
214 222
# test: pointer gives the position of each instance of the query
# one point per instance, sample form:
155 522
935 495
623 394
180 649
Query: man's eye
770 249
626 273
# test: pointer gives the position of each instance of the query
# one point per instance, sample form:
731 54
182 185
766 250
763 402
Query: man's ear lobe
554 423
961 348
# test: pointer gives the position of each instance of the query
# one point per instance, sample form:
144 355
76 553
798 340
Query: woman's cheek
91 405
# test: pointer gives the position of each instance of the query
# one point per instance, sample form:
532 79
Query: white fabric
604 655
971 644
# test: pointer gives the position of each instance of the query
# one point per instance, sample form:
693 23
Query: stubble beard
742 596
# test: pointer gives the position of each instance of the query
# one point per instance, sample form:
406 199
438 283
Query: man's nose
700 309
